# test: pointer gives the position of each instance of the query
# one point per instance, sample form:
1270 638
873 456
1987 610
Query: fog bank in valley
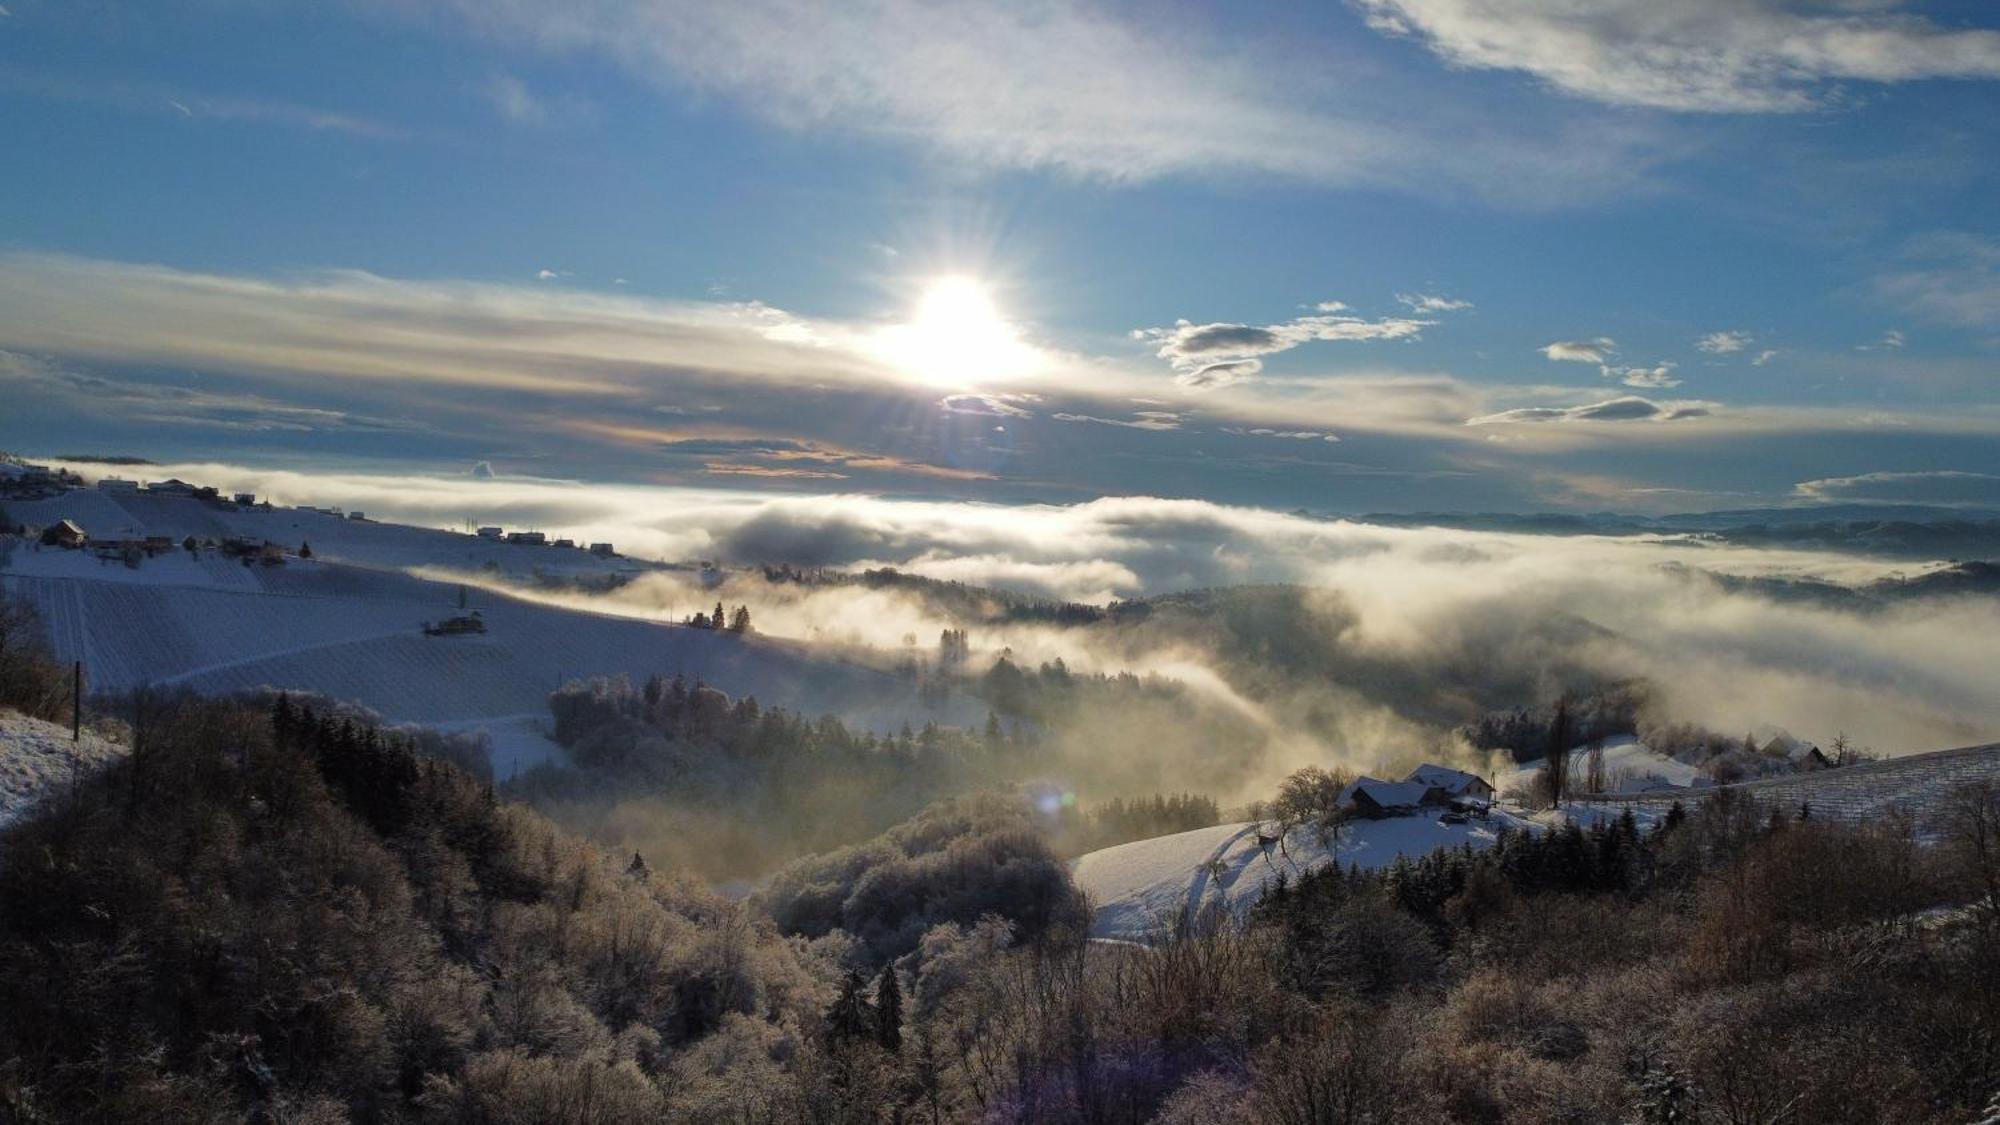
1402 633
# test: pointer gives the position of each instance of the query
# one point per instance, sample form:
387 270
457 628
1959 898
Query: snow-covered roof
1347 794
1392 794
1455 782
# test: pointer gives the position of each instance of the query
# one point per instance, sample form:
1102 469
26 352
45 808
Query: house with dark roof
1458 783
64 533
1375 798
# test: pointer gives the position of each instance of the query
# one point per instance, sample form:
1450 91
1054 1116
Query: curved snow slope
1137 889
354 633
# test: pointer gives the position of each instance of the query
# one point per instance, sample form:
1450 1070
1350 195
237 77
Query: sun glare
957 336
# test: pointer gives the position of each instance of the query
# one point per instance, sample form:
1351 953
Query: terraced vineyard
1912 785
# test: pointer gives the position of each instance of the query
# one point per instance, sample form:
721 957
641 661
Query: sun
957 336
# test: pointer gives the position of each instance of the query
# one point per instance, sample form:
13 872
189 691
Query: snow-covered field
353 630
1137 889
37 758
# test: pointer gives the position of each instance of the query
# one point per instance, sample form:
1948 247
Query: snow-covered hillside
1913 786
355 631
1137 888
1630 766
37 758
363 542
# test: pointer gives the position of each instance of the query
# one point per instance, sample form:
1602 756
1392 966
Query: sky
1383 255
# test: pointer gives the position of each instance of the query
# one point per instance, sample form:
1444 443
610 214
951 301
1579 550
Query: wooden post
76 703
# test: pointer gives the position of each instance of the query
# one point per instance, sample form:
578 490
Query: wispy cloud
1658 376
1724 343
1432 303
185 105
169 404
1076 86
1630 408
1291 435
1946 487
1704 55
996 405
1156 420
519 104
1953 277
1597 349
1221 354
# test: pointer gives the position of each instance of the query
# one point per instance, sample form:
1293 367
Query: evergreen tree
850 1017
284 721
740 621
1675 815
716 619
889 1011
305 549
1555 762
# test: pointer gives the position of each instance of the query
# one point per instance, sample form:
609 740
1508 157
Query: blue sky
1431 254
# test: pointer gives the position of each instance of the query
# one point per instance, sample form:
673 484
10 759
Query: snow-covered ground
1913 786
1630 766
363 542
1138 888
353 629
38 758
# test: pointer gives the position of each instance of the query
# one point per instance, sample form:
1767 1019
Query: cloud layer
1696 55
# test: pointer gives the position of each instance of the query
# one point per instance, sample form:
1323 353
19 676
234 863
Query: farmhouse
246 499
602 550
1458 783
1374 798
64 533
172 486
117 485
490 533
531 538
1804 756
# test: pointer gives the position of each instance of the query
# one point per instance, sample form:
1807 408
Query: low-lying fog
1399 606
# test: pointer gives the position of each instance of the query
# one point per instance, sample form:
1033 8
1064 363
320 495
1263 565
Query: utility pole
76 703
